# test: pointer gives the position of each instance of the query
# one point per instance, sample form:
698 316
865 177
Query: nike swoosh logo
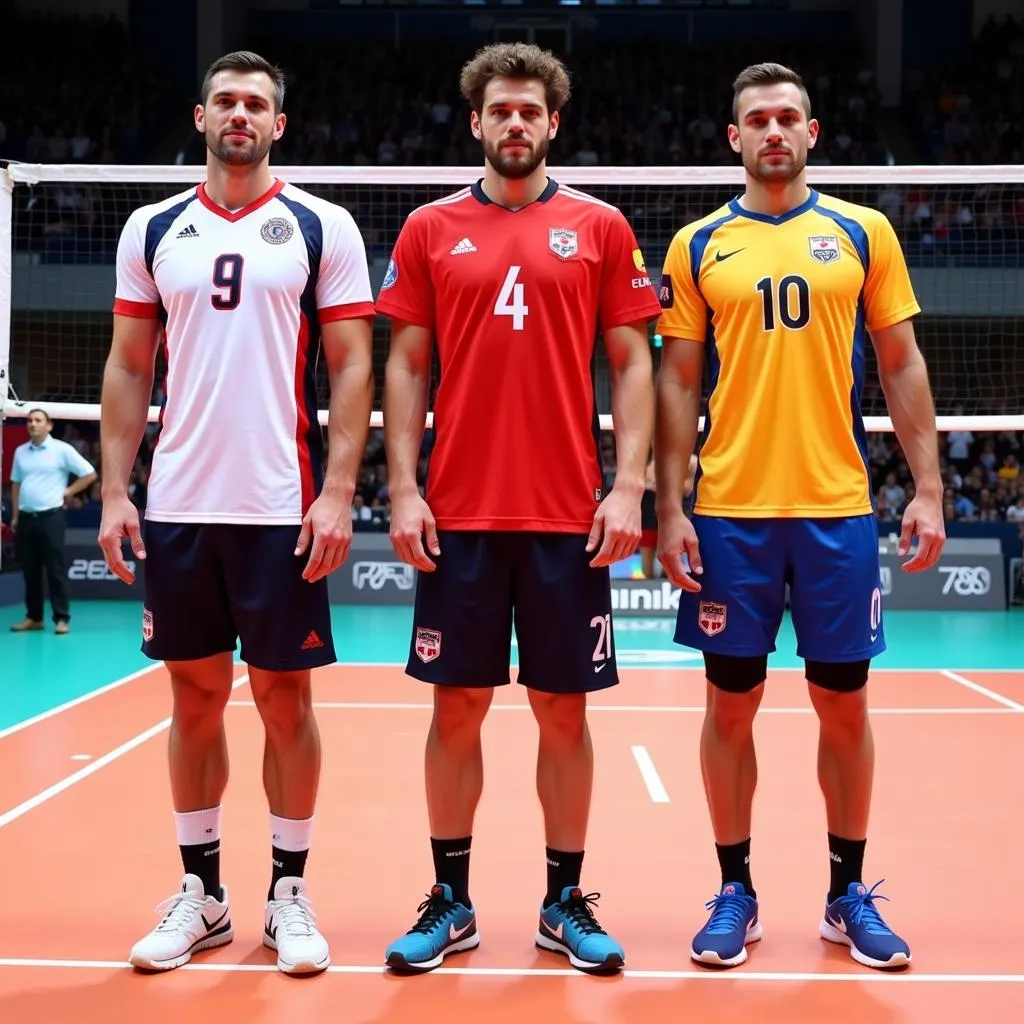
456 933
597 668
719 256
209 926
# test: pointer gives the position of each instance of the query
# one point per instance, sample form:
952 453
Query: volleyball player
243 523
514 277
776 293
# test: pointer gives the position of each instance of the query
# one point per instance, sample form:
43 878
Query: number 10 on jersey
511 299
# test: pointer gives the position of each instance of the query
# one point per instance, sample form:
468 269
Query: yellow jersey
783 306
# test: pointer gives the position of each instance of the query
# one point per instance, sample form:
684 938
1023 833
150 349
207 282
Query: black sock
564 869
287 864
203 860
846 861
451 866
734 860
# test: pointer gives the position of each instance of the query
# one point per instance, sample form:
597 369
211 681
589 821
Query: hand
119 519
411 519
677 535
616 527
923 518
328 523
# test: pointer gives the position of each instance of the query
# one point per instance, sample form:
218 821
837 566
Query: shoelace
177 910
433 910
864 913
295 916
729 910
578 910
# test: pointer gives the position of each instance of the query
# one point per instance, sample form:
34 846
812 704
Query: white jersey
242 297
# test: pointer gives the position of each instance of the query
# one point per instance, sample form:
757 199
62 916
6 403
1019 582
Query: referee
39 487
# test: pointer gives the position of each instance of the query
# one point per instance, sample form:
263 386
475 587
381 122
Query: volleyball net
961 228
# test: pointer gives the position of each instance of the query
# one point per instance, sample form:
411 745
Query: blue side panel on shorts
313 234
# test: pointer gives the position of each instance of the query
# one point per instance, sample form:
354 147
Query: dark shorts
208 585
834 578
542 582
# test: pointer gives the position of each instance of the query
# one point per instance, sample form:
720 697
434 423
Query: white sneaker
191 921
289 928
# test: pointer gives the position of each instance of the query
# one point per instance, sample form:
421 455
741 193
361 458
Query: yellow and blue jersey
783 306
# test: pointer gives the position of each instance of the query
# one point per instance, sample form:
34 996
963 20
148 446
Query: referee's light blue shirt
42 470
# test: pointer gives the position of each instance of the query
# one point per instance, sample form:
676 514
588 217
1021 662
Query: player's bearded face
774 135
516 156
238 144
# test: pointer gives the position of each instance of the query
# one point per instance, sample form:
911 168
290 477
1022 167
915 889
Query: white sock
197 827
291 834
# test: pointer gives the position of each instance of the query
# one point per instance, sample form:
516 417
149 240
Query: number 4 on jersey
512 289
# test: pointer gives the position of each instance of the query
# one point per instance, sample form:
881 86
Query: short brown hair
515 60
247 61
767 74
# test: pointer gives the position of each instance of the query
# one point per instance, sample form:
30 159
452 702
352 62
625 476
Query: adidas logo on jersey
464 246
189 232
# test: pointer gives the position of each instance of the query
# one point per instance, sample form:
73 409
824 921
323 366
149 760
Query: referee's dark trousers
40 541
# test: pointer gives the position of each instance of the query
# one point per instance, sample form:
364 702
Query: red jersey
515 301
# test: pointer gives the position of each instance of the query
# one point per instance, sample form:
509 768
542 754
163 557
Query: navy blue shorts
542 582
834 578
208 585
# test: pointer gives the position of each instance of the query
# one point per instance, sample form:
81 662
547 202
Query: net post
6 277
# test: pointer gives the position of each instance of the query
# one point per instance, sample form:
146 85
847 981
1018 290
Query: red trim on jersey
346 311
302 420
245 210
142 310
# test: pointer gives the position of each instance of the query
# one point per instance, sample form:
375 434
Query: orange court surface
87 837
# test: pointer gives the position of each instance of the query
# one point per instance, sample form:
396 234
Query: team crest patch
428 643
824 248
277 230
391 276
711 617
147 624
563 242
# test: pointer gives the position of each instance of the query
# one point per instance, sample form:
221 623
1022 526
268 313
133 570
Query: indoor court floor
88 849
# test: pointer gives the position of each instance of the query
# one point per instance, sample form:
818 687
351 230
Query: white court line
650 775
865 977
83 773
686 709
983 690
18 726
688 668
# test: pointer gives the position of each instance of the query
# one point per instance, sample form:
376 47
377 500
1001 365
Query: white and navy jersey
242 297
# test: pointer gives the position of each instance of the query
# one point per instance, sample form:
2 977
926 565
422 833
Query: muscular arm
904 379
406 385
126 393
678 393
629 357
348 349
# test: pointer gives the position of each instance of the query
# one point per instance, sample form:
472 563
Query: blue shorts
834 578
207 585
485 581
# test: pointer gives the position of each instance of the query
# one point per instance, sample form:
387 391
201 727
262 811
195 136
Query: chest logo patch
277 230
563 242
824 248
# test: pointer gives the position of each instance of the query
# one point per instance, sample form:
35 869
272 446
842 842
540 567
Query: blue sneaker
444 927
569 927
722 942
853 920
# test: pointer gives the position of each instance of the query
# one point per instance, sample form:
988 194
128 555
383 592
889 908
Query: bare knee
459 713
731 715
561 717
200 691
285 703
843 716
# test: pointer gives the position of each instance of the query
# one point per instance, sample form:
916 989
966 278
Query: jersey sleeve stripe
141 310
699 244
159 225
347 311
